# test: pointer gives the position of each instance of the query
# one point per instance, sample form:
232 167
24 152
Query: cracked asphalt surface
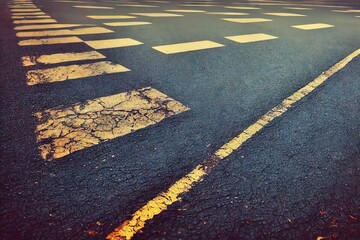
297 179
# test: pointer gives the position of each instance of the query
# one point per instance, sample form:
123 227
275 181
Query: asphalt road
297 178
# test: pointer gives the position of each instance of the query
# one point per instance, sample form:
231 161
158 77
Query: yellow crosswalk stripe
48 26
46 41
62 131
25 10
63 73
247 38
247 20
185 11
227 13
135 5
313 26
35 21
158 14
30 17
197 5
125 24
112 43
61 58
110 17
92 7
298 8
77 31
28 14
187 47
242 8
285 14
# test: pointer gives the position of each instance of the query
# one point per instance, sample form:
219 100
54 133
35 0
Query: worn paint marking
30 17
125 24
298 8
61 58
313 26
47 26
28 14
113 43
77 31
187 47
35 21
62 131
242 8
185 11
92 7
158 14
163 200
64 73
135 5
26 10
247 38
285 14
110 17
227 13
247 20
46 41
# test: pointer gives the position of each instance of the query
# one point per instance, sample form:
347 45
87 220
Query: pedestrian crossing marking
298 8
63 73
77 31
353 11
197 5
227 13
25 10
46 41
135 5
124 24
247 20
30 17
48 26
247 38
24 7
158 14
285 14
35 21
61 58
62 131
185 11
242 8
313 26
110 17
92 7
187 47
28 14
113 43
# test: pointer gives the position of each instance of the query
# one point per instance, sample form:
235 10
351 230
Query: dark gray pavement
297 179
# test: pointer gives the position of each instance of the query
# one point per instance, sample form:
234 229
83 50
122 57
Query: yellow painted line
227 13
248 38
197 5
353 11
341 11
63 73
158 14
24 6
242 8
313 26
92 7
185 11
113 43
62 131
110 17
30 17
35 21
125 24
247 20
298 8
135 5
187 47
25 10
357 16
173 194
47 26
285 14
77 31
28 14
61 58
46 41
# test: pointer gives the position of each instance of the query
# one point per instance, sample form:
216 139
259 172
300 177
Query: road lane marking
227 13
61 58
113 43
248 38
30 17
125 24
173 194
247 20
313 26
46 41
110 17
298 8
25 10
48 26
135 5
28 14
197 5
353 11
285 14
158 14
63 73
35 21
62 131
242 8
64 32
185 11
187 47
92 7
